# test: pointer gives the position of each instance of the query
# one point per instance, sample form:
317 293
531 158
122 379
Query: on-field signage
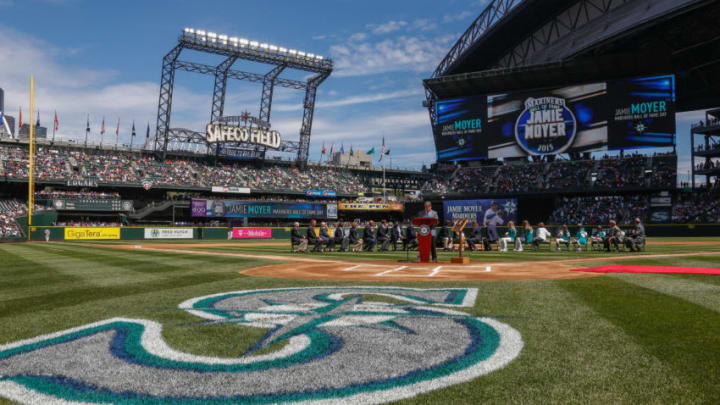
92 233
335 348
216 133
545 127
252 233
168 233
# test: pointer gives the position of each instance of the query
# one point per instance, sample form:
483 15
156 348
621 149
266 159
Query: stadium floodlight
189 30
319 57
292 52
200 33
223 39
264 46
244 42
301 54
282 50
311 56
254 44
234 41
273 48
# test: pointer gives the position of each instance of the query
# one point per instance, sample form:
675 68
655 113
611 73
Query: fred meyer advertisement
92 233
168 233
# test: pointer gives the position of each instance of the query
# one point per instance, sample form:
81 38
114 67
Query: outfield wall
59 233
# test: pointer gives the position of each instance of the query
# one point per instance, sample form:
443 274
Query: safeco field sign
91 233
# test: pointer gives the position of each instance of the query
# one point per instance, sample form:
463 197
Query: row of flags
383 152
56 124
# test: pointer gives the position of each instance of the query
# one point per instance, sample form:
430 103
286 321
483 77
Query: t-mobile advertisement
252 233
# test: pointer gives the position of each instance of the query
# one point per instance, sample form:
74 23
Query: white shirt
542 234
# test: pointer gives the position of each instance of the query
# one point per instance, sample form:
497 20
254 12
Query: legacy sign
218 133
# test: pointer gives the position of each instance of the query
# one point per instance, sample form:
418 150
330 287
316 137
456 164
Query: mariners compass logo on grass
331 345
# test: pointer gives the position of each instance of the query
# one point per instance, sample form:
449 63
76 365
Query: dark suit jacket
477 232
353 237
311 234
395 233
444 232
295 235
339 234
324 233
410 232
381 232
368 233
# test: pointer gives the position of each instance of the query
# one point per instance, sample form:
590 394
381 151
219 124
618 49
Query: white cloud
387 27
449 18
359 99
404 53
358 36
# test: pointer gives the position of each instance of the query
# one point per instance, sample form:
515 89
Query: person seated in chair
396 235
354 238
542 235
636 239
368 238
581 238
476 237
298 239
445 237
615 238
410 241
325 237
340 238
598 236
563 237
381 236
312 236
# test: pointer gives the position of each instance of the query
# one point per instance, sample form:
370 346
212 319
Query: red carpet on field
617 268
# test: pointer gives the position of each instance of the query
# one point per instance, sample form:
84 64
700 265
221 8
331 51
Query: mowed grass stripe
682 334
688 289
18 272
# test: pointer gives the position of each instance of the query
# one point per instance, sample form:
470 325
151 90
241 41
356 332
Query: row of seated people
485 237
385 235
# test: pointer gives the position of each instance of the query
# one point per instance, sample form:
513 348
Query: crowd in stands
9 211
599 210
121 167
701 206
709 165
629 171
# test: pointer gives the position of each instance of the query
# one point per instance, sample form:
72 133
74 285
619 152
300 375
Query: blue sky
103 58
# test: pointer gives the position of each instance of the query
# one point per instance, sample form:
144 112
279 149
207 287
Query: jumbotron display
619 114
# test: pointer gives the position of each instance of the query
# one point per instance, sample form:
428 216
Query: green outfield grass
609 339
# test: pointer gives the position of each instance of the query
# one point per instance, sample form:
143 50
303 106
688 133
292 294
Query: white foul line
435 271
390 271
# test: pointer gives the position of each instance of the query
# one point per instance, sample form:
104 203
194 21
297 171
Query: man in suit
381 236
368 238
340 238
428 212
410 241
312 236
298 239
325 237
396 235
476 236
636 239
615 237
354 238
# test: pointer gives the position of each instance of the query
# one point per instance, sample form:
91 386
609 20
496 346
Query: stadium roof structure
522 44
234 49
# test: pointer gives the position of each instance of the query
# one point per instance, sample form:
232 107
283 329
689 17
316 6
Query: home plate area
399 271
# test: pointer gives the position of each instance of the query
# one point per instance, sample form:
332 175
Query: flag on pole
117 129
331 149
147 132
37 122
371 151
382 153
20 118
102 127
57 123
133 130
342 149
351 151
323 149
87 129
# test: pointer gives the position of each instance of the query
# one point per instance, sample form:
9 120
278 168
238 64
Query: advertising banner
92 233
617 114
370 207
497 212
230 190
321 193
257 209
252 233
168 233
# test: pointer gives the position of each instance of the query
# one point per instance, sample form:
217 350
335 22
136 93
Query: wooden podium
424 237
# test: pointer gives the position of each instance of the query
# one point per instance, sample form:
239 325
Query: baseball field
249 322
